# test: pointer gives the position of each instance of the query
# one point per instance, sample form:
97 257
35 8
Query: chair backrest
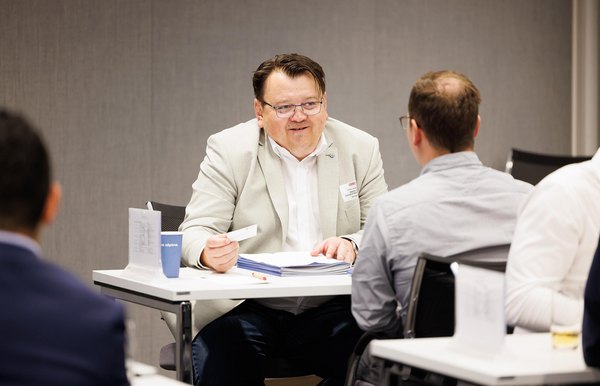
171 215
431 302
532 167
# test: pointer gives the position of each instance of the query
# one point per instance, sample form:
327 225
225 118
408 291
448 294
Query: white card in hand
242 234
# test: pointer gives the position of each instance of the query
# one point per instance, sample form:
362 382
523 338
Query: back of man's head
24 174
445 104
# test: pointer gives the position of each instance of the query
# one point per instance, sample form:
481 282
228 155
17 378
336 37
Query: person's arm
374 303
544 247
210 210
104 323
371 185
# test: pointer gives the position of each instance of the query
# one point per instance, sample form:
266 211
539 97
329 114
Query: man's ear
476 131
52 203
416 133
258 111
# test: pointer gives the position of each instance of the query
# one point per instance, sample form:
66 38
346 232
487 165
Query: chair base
167 357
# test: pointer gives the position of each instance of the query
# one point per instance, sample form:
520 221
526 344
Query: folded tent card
144 244
479 310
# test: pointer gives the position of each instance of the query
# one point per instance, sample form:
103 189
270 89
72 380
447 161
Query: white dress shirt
554 243
301 187
304 229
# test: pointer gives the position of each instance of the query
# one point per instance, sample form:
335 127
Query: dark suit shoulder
50 313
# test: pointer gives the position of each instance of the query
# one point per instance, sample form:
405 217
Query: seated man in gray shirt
455 205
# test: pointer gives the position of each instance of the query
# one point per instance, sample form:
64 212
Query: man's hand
336 248
220 253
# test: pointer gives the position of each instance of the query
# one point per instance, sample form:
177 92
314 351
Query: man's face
300 133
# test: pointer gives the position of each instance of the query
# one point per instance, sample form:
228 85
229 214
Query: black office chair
171 218
431 302
171 215
532 167
432 290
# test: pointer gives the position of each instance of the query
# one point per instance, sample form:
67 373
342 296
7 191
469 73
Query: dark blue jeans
232 350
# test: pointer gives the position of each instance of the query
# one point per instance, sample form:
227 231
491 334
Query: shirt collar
596 156
22 241
283 152
451 160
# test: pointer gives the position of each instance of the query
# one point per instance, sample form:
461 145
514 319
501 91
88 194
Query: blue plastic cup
170 252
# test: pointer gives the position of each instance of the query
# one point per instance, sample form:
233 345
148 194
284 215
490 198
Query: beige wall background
126 92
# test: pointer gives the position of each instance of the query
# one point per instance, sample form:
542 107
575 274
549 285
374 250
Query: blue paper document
292 264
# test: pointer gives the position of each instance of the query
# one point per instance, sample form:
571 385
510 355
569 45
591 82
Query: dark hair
24 173
445 104
290 64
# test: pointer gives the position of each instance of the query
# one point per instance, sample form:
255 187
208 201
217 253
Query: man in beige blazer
307 181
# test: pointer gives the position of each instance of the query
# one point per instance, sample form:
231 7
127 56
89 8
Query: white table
141 374
526 359
175 295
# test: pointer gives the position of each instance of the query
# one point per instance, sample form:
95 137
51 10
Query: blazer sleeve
211 206
368 168
373 185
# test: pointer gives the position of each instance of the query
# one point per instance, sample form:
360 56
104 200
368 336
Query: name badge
349 191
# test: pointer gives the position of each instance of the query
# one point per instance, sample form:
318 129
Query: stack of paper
292 264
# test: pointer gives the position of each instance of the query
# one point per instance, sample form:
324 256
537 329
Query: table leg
183 342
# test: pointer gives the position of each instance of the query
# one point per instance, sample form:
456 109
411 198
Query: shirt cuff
354 245
200 265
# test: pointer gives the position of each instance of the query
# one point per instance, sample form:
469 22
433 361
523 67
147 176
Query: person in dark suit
54 330
591 314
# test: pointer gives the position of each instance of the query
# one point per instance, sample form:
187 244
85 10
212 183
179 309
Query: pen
259 276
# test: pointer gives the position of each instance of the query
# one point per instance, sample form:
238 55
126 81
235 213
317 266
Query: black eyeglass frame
405 121
293 111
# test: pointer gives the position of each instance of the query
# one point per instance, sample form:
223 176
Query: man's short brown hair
445 104
292 65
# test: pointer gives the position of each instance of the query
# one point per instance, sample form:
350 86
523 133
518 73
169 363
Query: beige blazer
241 183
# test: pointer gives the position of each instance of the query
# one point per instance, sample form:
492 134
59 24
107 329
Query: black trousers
233 349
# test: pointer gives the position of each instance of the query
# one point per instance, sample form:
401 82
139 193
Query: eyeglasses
286 111
405 121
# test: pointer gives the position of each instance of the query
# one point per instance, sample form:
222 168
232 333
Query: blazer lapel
328 177
271 167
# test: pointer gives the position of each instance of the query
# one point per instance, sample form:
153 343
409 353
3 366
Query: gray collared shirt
456 204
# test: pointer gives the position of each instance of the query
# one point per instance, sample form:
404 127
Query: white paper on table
144 244
289 259
480 319
299 263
